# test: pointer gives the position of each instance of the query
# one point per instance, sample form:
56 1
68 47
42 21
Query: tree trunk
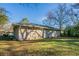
60 30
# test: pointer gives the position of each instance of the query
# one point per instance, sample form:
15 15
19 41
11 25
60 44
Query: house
7 28
34 31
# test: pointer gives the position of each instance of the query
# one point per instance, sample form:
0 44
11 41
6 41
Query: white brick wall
30 34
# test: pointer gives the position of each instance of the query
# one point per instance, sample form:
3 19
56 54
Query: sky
34 12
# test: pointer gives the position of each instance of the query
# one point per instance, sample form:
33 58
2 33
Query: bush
71 32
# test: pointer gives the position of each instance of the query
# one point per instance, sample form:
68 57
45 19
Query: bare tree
75 5
60 18
73 16
48 19
60 15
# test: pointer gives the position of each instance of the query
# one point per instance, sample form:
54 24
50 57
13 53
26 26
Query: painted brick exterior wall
34 34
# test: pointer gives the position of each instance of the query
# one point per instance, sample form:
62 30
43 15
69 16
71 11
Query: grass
44 47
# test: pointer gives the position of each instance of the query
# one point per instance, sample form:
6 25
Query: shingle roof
36 25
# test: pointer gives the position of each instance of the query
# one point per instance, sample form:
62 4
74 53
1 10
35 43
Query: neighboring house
7 28
1 30
34 31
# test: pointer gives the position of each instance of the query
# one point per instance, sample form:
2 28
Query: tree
24 21
73 16
48 19
58 17
72 31
76 5
64 17
3 16
61 18
3 19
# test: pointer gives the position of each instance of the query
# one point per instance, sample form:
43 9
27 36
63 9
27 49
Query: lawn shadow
69 41
53 40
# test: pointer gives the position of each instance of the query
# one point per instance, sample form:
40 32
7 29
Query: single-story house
34 31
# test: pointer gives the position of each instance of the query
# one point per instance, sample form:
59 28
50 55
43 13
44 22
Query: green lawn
49 47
